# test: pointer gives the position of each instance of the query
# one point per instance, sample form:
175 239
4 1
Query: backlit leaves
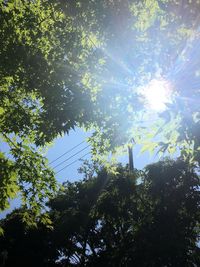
73 63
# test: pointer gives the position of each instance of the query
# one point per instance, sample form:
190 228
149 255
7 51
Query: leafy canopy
80 63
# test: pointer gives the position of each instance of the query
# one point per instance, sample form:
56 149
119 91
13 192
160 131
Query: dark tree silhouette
147 219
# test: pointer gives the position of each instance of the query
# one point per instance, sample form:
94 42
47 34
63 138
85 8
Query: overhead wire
71 149
71 157
72 162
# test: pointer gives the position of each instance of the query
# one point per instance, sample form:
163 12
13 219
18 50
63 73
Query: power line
66 152
72 162
71 156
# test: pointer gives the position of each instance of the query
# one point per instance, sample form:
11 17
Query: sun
157 94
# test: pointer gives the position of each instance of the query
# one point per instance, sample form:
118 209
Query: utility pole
130 155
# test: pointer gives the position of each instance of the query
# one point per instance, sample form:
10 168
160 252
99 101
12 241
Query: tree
151 219
77 63
44 91
164 40
41 95
22 245
139 41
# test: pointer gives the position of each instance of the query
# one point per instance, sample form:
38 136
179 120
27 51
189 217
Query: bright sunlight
157 94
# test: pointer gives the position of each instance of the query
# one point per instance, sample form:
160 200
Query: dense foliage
80 63
149 219
41 93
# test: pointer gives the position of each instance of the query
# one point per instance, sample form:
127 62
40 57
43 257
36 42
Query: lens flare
157 94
